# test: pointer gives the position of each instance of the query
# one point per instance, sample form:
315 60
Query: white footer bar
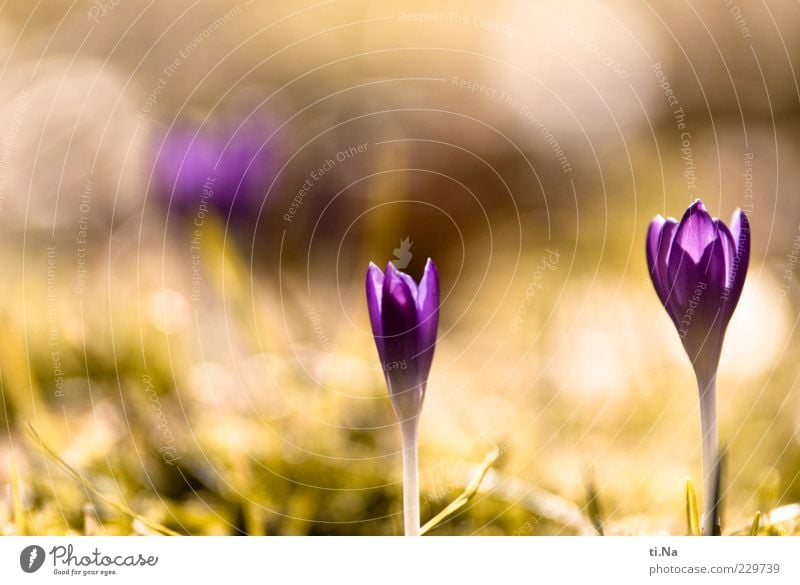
386 561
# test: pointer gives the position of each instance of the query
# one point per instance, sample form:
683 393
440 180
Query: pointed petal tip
391 271
394 276
697 209
697 205
430 279
374 272
741 227
698 212
663 220
739 221
658 221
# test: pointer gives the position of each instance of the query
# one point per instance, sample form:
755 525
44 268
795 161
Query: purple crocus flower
215 166
405 319
698 267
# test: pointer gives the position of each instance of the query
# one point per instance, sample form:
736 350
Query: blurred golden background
190 194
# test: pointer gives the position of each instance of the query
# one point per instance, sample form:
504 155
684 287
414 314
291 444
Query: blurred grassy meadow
193 355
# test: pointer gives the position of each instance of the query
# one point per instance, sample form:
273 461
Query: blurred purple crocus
698 267
405 319
215 166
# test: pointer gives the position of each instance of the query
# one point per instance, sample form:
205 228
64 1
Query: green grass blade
716 503
466 495
16 501
593 504
754 528
692 516
786 514
119 506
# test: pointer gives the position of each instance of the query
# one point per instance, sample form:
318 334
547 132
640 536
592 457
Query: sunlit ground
259 409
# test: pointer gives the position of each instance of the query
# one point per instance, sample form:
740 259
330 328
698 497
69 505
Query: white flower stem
708 424
411 522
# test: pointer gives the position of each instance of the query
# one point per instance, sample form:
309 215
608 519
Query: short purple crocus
698 267
405 319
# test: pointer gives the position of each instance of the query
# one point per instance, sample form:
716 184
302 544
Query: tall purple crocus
405 319
698 267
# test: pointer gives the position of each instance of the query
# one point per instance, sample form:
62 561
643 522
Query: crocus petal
697 300
729 249
374 300
704 333
412 286
740 232
653 237
685 269
664 248
714 269
659 240
399 317
400 320
695 232
428 312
